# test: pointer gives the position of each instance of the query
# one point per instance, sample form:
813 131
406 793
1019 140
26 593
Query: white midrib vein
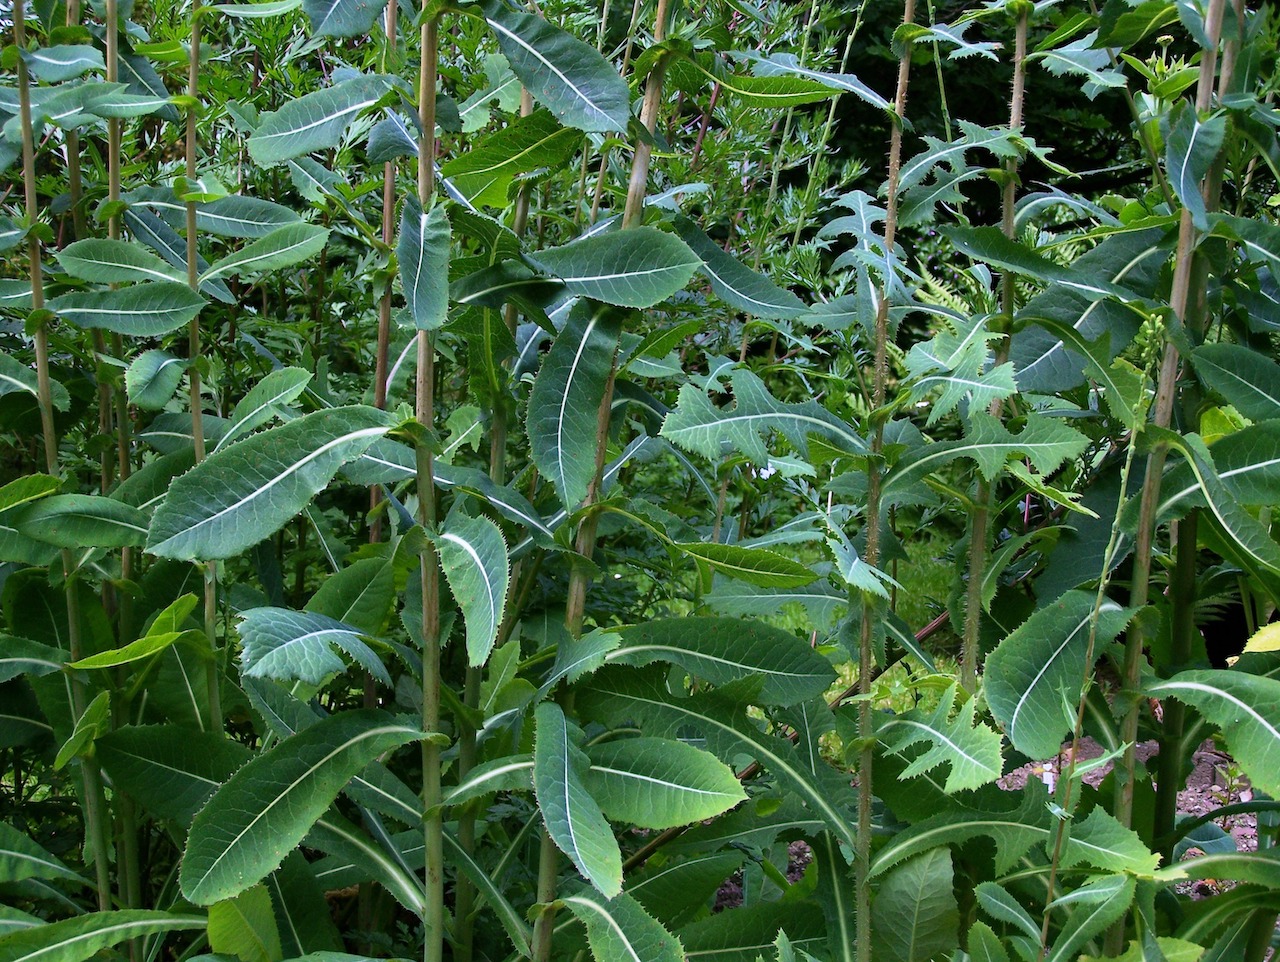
1174 685
327 118
941 736
617 929
564 403
240 264
1013 719
700 656
661 781
489 594
472 784
167 922
519 41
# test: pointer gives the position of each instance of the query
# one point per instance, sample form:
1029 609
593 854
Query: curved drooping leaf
315 121
361 594
696 425
572 816
268 806
1246 378
21 656
238 216
916 917
143 310
620 930
660 782
63 61
757 566
264 401
630 268
247 491
1248 466
786 63
21 858
80 938
169 769
342 18
474 556
514 773
298 645
338 837
735 283
1243 707
108 261
973 750
566 396
152 378
721 650
79 521
422 252
517 931
282 247
1032 679
1099 904
677 890
245 927
1190 147
565 75
16 376
485 173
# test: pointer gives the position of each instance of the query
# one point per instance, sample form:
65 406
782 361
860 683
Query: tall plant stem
1166 393
433 826
604 153
866 660
193 353
979 533
96 815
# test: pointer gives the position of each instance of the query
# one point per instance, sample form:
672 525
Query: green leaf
283 247
517 931
338 837
677 889
63 62
342 18
81 938
16 376
985 945
991 246
566 397
13 920
266 808
630 268
1123 386
916 918
619 930
1104 843
971 748
1243 707
564 74
79 521
1245 378
29 487
757 566
249 490
511 774
299 646
573 818
21 858
147 227
1190 148
721 650
143 310
787 63
696 425
474 556
21 656
1100 903
733 282
169 769
137 650
422 252
743 934
315 121
257 11
106 261
152 378
659 782
485 173
775 89
264 402
1260 239
1039 669
360 594
301 911
245 927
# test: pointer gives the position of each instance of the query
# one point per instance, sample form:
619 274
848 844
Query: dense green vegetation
477 479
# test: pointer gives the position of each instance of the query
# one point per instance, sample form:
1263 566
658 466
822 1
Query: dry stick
866 727
985 495
1166 390
433 824
94 799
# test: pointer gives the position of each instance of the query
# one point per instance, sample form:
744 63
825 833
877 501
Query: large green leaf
266 808
474 556
1101 841
315 121
566 396
630 268
283 247
264 402
485 173
1033 678
245 927
735 283
1246 378
108 261
152 378
80 938
721 650
368 859
63 61
572 816
21 858
745 934
296 645
564 74
80 521
1098 904
1248 467
757 566
1190 147
660 782
342 18
619 930
971 748
916 918
235 498
143 310
21 656
697 425
1243 706
422 252
990 245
